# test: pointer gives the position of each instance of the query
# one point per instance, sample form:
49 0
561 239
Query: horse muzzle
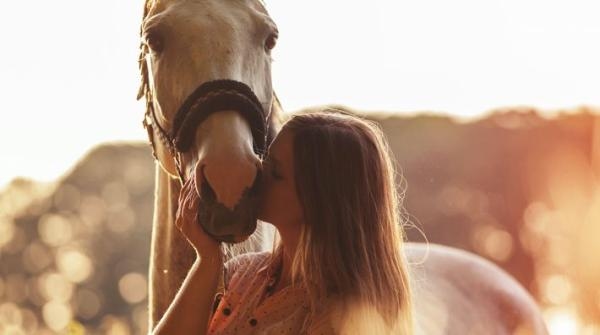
225 224
220 222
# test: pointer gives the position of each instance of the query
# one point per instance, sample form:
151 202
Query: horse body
457 293
191 42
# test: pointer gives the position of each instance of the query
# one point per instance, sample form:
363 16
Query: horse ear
263 3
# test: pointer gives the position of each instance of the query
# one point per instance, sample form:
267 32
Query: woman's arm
191 308
190 311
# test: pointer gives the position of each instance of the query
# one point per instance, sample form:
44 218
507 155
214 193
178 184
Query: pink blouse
245 308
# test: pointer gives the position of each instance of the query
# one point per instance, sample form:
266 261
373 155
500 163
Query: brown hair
350 248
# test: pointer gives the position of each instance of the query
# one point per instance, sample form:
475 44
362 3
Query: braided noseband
208 98
219 95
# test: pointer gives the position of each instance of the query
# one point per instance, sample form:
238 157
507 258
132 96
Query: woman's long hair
350 248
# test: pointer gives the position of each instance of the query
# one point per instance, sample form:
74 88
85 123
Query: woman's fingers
187 221
188 205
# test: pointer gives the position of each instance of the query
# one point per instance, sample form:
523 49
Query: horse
210 114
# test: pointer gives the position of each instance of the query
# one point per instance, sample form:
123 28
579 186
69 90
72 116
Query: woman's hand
190 310
186 220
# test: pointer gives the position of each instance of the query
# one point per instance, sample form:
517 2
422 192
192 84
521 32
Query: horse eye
270 42
154 42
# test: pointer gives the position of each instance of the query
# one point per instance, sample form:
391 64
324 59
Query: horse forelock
144 88
263 5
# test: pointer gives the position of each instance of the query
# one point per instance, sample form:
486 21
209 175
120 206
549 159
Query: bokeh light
133 287
74 264
55 287
562 321
493 242
115 326
557 289
55 230
57 315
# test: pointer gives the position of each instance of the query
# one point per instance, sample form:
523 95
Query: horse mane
144 90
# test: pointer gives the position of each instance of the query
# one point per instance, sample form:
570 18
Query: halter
208 98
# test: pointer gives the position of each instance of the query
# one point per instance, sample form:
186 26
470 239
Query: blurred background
492 109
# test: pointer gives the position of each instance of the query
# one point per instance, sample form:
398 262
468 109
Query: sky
68 70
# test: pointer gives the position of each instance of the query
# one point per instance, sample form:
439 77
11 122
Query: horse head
206 77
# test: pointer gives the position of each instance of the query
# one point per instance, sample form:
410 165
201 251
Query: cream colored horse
191 42
185 45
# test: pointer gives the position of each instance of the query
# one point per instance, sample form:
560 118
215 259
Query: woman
329 191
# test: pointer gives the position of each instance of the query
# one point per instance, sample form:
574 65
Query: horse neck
171 256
